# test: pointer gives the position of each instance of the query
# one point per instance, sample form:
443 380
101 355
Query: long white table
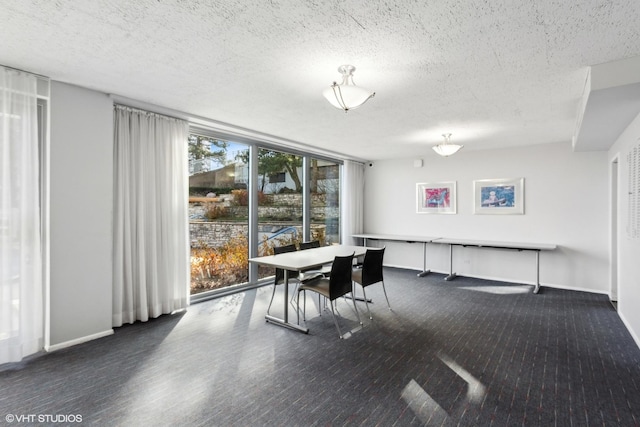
299 261
519 246
404 238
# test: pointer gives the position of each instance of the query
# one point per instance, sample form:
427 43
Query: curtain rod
233 131
25 71
140 110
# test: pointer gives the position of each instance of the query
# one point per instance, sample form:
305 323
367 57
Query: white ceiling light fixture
446 149
347 95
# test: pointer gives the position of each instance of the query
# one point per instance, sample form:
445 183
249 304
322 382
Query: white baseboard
403 267
55 347
501 279
574 288
628 326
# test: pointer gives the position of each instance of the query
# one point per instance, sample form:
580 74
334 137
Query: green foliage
283 216
200 148
273 162
287 190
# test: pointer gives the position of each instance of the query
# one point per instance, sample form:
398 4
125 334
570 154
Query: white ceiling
494 73
611 100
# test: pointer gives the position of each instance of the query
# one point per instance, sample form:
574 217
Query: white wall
628 262
566 203
81 178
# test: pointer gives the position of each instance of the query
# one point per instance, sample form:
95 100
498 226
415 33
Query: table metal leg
451 275
286 296
537 287
285 321
353 294
424 271
357 298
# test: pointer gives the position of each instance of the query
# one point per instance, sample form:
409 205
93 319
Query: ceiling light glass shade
347 95
446 148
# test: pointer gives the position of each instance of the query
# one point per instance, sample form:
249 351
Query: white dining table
492 244
405 238
299 261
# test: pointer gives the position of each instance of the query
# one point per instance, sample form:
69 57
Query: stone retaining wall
280 210
215 234
281 207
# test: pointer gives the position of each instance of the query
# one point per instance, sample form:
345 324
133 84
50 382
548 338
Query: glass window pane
325 201
279 202
218 213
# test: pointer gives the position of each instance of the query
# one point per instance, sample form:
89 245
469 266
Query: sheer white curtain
21 294
352 201
151 236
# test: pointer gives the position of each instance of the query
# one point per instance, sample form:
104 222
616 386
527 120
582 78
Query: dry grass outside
227 265
213 211
214 268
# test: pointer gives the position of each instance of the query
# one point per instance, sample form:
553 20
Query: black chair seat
321 286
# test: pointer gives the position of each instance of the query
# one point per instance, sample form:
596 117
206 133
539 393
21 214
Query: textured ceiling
494 73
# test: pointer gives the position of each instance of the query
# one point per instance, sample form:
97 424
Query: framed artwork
499 196
436 197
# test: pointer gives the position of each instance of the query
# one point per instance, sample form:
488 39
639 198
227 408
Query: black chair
370 273
279 275
309 245
326 269
333 287
311 273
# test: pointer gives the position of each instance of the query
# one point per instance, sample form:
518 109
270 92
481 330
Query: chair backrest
309 245
372 266
279 271
284 249
340 280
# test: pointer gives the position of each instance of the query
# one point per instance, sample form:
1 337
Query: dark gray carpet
468 352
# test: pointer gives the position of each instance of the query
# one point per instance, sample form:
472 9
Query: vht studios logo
43 418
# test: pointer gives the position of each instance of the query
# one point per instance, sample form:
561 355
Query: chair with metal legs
326 269
371 273
313 273
279 275
333 287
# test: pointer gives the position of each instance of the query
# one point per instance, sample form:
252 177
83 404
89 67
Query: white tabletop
394 237
308 258
462 242
496 244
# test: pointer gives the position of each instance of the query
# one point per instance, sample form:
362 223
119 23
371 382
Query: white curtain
21 295
352 201
151 236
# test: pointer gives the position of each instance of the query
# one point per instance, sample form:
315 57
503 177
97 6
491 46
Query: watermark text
43 418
